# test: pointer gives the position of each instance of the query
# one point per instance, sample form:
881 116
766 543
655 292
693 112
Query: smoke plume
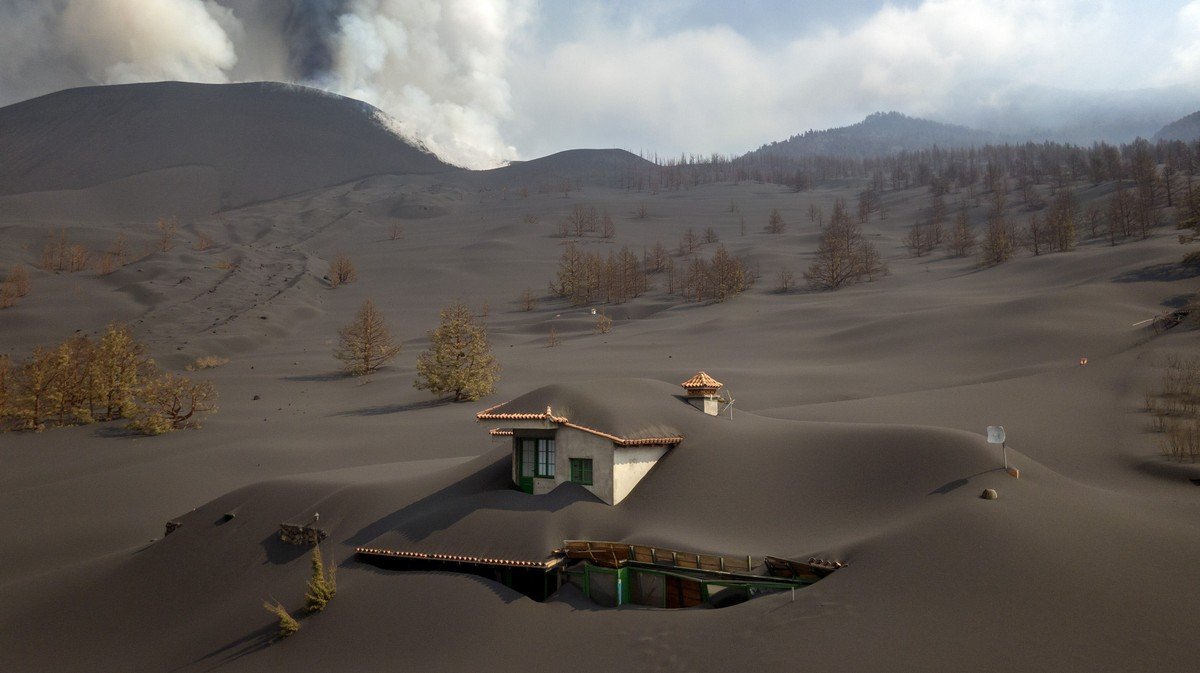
438 67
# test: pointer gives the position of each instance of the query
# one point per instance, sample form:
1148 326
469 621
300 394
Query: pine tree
118 368
322 586
366 345
33 385
459 359
287 623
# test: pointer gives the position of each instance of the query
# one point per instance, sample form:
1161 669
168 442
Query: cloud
123 41
1186 56
59 43
639 84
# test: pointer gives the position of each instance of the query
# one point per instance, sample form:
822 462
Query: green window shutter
545 458
581 471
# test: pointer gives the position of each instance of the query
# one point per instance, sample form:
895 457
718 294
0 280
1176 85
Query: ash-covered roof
630 412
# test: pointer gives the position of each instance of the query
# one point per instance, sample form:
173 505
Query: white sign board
995 434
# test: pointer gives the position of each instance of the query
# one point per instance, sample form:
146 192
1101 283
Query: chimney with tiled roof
702 393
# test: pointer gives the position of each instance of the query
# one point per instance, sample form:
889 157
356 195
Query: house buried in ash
604 437
573 443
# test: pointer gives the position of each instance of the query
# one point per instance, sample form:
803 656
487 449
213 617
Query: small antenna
728 403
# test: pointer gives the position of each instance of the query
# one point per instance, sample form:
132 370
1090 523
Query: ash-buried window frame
582 462
544 464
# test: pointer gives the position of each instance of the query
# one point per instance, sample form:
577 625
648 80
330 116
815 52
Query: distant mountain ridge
259 141
880 134
1186 129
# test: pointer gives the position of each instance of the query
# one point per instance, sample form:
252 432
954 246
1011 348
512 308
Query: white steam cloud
124 41
438 67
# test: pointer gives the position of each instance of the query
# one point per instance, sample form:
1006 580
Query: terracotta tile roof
518 563
547 415
701 380
489 415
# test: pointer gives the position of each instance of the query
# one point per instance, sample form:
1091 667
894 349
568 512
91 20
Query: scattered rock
170 527
257 397
989 494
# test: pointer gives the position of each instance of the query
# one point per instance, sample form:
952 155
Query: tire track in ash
266 269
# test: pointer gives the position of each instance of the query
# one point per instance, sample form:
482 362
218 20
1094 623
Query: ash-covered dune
262 140
929 562
752 485
567 170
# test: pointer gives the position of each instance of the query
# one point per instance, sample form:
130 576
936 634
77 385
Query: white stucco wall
571 443
630 464
615 470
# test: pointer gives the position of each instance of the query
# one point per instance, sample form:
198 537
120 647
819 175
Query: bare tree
168 402
54 252
607 228
342 271
168 229
657 258
688 243
15 286
999 240
1060 222
787 280
366 344
603 323
962 239
527 300
775 223
844 256
918 240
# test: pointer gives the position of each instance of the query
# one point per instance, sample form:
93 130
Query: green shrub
287 624
322 585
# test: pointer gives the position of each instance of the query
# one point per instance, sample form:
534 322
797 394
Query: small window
545 458
528 451
581 471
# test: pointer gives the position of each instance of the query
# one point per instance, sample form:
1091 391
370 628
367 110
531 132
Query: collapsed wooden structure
618 573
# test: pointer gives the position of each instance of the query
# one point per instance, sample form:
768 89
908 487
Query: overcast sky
483 81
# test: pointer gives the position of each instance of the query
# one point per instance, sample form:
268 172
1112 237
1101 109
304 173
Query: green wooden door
526 457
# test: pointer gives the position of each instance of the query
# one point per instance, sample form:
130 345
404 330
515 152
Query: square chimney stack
702 393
